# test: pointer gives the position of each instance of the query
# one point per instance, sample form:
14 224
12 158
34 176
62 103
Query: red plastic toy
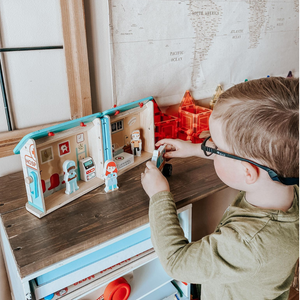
191 121
166 126
118 289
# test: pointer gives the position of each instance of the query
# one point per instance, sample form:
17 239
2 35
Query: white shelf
147 279
162 293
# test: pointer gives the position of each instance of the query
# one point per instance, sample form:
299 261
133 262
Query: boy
254 144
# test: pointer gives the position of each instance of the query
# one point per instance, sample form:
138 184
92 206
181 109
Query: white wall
36 81
10 164
37 86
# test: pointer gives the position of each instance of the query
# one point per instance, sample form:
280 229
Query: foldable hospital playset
63 162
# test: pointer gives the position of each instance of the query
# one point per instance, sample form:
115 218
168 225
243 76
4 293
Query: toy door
35 190
32 176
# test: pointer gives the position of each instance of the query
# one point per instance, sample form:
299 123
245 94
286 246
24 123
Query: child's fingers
169 155
150 165
170 148
164 141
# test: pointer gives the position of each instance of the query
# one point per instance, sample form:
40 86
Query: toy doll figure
70 176
136 143
110 176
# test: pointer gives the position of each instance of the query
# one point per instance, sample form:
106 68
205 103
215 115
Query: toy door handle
28 180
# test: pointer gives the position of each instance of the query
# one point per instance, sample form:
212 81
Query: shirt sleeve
222 257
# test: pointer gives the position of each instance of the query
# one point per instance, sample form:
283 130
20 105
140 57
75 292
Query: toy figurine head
110 167
68 166
135 135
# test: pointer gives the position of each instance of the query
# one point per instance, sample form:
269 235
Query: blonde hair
260 121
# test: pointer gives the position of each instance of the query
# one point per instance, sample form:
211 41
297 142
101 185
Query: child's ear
251 172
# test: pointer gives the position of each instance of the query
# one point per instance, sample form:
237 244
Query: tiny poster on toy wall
64 148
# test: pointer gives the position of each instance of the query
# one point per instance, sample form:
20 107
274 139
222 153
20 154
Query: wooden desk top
95 217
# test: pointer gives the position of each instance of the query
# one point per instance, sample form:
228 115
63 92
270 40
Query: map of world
162 48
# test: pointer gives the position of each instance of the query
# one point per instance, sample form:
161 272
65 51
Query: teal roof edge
125 107
55 129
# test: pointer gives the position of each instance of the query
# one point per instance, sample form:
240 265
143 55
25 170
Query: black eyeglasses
208 151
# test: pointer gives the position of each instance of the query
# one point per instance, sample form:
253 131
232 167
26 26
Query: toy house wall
123 137
51 167
139 119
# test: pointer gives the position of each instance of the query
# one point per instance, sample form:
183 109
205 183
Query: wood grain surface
95 217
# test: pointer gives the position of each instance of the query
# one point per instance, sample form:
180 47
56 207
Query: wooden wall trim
10 139
75 47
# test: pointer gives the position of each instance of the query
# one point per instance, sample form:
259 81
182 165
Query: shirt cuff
161 196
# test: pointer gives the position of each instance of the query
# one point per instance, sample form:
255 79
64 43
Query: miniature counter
93 218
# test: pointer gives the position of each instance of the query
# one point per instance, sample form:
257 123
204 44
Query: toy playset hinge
106 135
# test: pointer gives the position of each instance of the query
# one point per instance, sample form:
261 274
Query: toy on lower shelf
70 177
160 162
118 289
110 176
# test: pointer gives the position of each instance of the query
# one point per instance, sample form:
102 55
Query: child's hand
179 148
153 180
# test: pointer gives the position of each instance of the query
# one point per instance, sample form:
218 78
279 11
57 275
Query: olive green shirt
251 254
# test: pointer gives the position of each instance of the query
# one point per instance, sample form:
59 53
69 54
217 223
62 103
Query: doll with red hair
110 176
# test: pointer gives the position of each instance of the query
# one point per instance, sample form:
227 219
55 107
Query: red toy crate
165 126
193 119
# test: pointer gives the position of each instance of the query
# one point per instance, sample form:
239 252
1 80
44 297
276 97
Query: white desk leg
26 289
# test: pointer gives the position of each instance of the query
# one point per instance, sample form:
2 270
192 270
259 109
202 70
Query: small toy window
117 126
